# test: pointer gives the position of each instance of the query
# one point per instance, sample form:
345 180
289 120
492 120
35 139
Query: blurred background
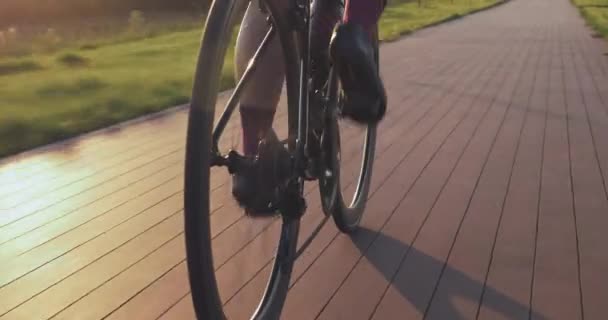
72 66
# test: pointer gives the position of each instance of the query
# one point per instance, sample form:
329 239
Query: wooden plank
103 215
76 171
589 189
85 148
318 284
556 240
29 222
307 258
62 295
162 292
509 278
89 190
596 106
127 237
127 283
460 287
183 310
374 271
435 227
12 194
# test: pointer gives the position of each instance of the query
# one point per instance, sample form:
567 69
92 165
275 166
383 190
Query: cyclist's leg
260 98
351 47
365 13
365 99
252 188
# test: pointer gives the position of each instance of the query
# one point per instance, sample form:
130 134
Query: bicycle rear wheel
202 153
347 213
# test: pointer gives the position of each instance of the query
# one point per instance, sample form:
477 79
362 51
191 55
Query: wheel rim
204 286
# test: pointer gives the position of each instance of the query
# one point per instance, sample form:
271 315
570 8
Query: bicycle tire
346 215
204 289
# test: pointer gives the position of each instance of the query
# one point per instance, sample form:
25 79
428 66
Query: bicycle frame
292 23
293 27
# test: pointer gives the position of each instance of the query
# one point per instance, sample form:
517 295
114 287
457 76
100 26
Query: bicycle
202 151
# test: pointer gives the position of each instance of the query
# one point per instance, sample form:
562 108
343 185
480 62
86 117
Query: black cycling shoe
255 184
351 50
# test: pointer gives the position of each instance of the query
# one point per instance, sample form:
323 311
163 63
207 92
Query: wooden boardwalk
489 197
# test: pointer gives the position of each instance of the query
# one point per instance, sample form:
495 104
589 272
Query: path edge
22 155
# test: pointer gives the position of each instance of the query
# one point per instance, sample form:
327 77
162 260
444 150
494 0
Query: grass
407 16
596 14
18 66
92 33
50 96
71 59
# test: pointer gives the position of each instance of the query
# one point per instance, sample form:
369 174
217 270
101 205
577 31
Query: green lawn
46 97
596 14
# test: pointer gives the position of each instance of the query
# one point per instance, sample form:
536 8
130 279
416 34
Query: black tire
347 213
222 17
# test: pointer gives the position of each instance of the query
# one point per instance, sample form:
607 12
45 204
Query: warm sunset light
303 159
